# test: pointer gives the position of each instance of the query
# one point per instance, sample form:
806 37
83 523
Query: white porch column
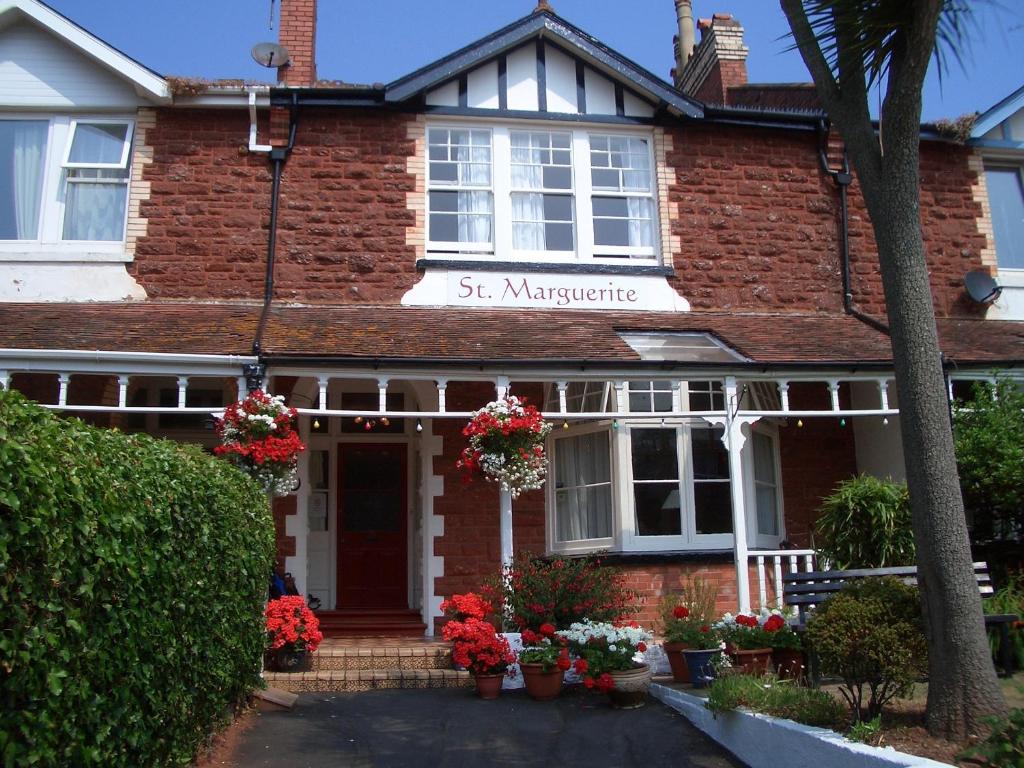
734 440
505 507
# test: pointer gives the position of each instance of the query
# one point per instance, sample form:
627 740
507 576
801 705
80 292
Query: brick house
671 271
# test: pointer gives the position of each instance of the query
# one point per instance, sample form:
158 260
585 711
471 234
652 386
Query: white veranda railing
770 567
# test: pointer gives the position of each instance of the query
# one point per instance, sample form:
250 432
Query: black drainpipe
843 179
278 156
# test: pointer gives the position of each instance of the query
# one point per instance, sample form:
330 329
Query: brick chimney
298 35
718 62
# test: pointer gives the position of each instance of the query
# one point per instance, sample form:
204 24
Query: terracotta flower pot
789 663
489 686
700 664
631 686
541 685
288 659
674 652
752 662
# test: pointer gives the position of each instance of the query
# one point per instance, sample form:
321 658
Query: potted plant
703 652
293 631
460 608
606 659
506 445
788 656
746 642
481 650
543 662
692 603
258 435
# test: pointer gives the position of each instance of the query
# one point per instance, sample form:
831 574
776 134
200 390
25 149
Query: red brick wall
342 217
283 507
814 458
471 544
758 224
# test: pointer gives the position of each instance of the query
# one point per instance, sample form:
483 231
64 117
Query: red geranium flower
547 629
681 612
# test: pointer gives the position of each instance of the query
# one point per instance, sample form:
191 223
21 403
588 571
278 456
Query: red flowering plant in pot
258 436
293 631
506 445
559 591
747 641
544 660
481 650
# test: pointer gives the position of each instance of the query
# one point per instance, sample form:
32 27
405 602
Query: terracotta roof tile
464 334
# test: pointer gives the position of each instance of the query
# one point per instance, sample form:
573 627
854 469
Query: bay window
540 195
64 179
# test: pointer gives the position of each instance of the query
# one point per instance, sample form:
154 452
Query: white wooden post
505 507
734 440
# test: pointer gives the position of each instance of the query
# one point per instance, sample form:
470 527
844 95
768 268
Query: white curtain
29 147
475 227
528 221
583 512
94 210
640 235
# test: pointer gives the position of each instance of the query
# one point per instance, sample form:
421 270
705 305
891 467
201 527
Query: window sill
114 253
665 557
564 268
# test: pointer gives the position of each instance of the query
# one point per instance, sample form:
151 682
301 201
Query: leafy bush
1004 747
560 591
132 579
1008 599
867 731
870 635
989 440
778 698
865 523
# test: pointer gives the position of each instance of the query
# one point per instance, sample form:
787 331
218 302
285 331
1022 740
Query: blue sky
380 40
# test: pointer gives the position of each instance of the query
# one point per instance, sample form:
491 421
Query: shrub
132 578
1004 746
778 698
865 523
870 635
1008 599
560 591
988 436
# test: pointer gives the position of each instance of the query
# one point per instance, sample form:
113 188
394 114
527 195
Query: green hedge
132 579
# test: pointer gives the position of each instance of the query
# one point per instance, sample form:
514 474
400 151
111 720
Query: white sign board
522 290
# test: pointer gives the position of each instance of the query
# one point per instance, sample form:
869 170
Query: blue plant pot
701 666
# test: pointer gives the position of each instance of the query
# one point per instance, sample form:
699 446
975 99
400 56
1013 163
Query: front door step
364 664
371 622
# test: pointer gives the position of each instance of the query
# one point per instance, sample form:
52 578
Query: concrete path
453 728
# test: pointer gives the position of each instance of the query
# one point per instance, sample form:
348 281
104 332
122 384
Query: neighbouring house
681 275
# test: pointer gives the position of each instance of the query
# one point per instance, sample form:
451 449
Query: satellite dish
981 287
270 54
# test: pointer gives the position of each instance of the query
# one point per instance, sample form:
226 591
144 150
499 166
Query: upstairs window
532 195
1006 198
64 180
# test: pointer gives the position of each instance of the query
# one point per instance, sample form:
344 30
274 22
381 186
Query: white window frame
551 527
582 194
1008 276
754 537
49 244
473 249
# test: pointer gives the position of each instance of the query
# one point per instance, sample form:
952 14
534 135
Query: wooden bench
805 590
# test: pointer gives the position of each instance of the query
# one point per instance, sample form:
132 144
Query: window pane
559 237
611 206
557 207
640 402
444 201
710 459
444 172
602 179
657 509
583 487
98 143
94 211
1006 196
764 462
611 232
767 511
765 485
444 228
713 507
557 177
654 454
22 157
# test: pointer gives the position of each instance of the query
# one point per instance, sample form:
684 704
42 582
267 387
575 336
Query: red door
372 511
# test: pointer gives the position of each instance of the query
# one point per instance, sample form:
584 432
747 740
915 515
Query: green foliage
988 434
870 635
1004 747
778 698
1009 599
867 731
865 523
132 578
560 591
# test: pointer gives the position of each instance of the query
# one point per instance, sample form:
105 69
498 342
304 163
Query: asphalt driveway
454 728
